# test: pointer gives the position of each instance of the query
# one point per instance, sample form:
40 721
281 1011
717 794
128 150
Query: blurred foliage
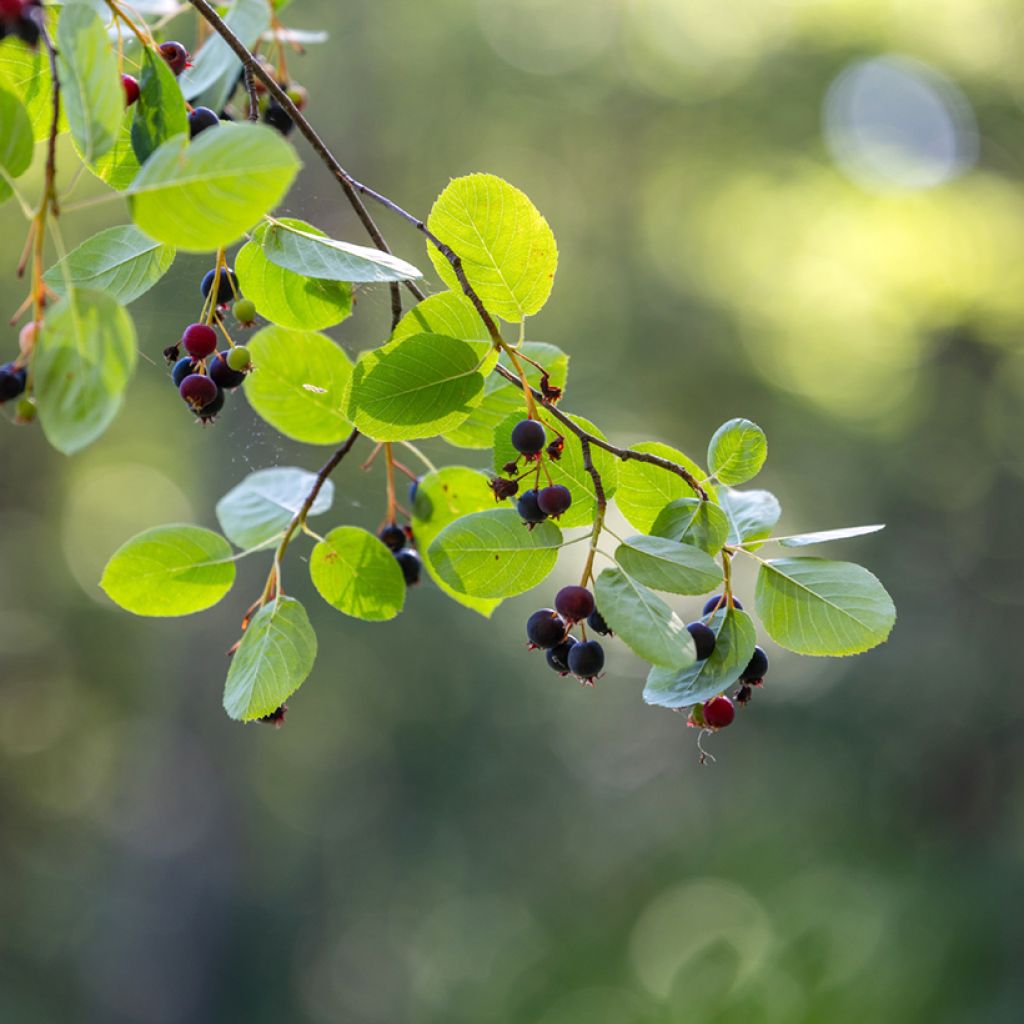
444 831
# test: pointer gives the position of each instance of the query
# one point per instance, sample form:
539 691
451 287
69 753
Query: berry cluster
400 542
18 18
203 375
530 439
549 630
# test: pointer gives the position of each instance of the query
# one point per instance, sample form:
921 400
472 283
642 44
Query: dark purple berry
222 374
182 368
277 117
554 500
595 620
209 411
198 390
176 56
718 712
757 668
558 656
226 288
586 660
411 565
529 437
199 340
12 381
200 119
574 604
546 628
26 28
529 509
718 602
703 639
393 537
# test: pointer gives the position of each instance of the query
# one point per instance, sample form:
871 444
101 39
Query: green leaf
415 387
751 514
90 82
814 606
492 554
203 195
119 165
501 398
642 621
259 508
737 451
644 490
120 261
442 496
569 469
447 313
298 383
355 573
284 297
316 255
802 540
735 639
507 249
668 565
15 140
84 356
25 71
273 660
170 570
159 113
211 79
692 521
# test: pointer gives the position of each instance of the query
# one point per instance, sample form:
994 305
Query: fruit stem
727 576
531 405
419 455
389 463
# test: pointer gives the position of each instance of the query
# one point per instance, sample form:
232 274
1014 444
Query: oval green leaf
668 565
170 570
814 606
642 621
735 638
286 298
693 521
159 113
203 195
492 554
644 490
737 451
16 141
507 249
25 71
273 660
355 573
803 540
258 509
119 165
298 384
751 514
447 313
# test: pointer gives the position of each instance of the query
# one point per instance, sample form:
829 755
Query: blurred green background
807 213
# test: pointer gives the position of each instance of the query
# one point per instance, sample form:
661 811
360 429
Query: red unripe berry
131 89
718 712
199 340
176 56
198 390
574 604
554 500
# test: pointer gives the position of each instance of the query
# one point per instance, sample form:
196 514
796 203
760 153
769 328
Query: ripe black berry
198 390
586 660
703 639
545 628
554 500
182 368
528 437
222 374
200 119
410 563
718 712
199 340
757 668
277 117
131 89
717 602
595 620
176 56
209 411
529 509
227 287
574 604
558 656
12 381
393 537
26 28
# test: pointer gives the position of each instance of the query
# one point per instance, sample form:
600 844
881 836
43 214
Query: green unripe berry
25 410
239 359
244 311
